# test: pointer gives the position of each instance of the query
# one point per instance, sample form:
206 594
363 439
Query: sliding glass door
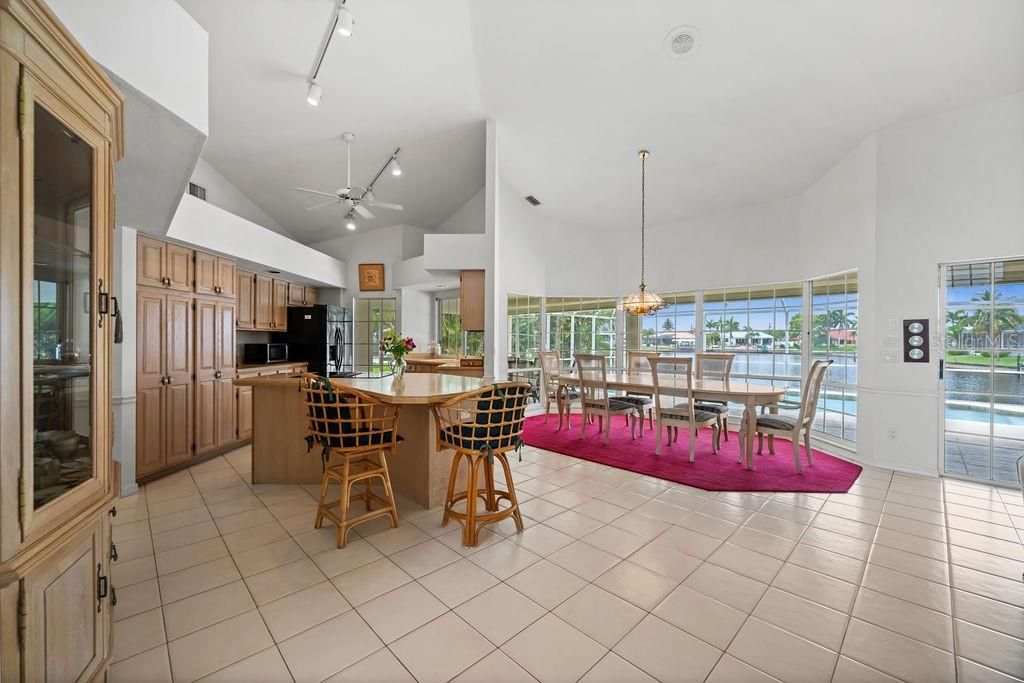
983 382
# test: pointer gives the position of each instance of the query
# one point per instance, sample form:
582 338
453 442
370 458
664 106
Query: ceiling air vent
682 41
531 200
197 191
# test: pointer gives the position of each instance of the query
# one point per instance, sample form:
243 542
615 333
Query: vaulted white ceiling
778 91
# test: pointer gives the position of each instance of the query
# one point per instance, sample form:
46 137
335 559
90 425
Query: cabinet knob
218 374
218 289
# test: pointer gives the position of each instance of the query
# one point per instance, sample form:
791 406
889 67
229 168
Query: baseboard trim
209 455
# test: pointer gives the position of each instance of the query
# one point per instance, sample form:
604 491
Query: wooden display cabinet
61 130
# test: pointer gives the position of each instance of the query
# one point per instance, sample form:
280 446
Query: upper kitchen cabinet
161 264
215 275
280 306
471 299
246 300
296 294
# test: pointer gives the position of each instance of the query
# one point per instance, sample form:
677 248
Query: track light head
313 94
395 168
345 22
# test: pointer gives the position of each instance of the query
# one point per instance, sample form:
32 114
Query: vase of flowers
396 346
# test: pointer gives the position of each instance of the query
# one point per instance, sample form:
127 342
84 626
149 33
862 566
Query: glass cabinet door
63 319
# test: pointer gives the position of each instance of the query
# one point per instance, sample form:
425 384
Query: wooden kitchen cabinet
280 306
151 262
471 299
161 264
61 130
243 409
263 306
164 393
296 294
215 372
312 295
215 275
67 609
179 268
246 301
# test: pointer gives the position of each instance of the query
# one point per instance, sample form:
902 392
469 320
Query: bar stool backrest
342 417
488 418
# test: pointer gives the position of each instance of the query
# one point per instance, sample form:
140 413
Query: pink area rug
710 472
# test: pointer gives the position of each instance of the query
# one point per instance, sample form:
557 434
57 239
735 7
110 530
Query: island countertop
413 389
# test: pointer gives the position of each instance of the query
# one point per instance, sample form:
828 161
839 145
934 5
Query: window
833 335
671 331
45 320
453 341
523 330
581 325
373 318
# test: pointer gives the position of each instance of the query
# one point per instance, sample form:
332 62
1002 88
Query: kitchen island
419 471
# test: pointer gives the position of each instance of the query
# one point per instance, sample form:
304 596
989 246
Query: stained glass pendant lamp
642 302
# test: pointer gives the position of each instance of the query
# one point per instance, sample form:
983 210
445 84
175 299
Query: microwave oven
264 354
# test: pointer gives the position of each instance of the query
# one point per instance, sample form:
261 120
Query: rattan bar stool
356 433
482 426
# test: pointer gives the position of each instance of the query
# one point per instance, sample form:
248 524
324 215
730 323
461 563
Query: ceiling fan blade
363 211
321 205
386 205
326 194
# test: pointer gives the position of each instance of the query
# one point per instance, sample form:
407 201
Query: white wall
467 219
212 229
154 45
122 356
222 192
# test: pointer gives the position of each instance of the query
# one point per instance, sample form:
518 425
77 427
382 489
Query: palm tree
667 325
991 320
956 322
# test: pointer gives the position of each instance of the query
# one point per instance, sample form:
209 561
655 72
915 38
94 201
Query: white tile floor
618 577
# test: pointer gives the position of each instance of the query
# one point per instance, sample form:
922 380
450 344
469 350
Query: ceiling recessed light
350 225
682 42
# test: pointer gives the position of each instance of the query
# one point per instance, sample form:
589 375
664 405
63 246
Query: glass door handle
942 368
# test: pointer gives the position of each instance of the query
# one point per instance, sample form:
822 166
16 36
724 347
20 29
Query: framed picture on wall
371 277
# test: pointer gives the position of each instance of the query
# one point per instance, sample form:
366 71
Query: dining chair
676 373
790 427
482 426
355 433
716 366
592 371
551 368
636 361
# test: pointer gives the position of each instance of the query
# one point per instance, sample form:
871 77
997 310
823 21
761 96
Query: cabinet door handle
113 552
218 374
113 596
101 587
112 511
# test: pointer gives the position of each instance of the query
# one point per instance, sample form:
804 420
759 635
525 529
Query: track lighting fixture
345 21
313 94
395 168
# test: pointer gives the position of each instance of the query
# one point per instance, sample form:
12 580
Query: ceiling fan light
395 168
313 94
345 22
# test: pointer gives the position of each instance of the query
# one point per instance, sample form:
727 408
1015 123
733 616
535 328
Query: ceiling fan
356 198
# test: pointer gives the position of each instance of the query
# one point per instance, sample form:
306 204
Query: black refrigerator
321 335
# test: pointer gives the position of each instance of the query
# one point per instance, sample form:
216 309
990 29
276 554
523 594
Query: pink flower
409 344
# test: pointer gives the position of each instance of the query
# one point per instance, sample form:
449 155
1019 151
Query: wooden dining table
747 394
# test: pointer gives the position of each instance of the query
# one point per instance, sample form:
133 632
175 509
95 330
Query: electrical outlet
892 433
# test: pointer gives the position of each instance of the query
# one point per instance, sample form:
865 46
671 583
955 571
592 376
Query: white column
122 376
